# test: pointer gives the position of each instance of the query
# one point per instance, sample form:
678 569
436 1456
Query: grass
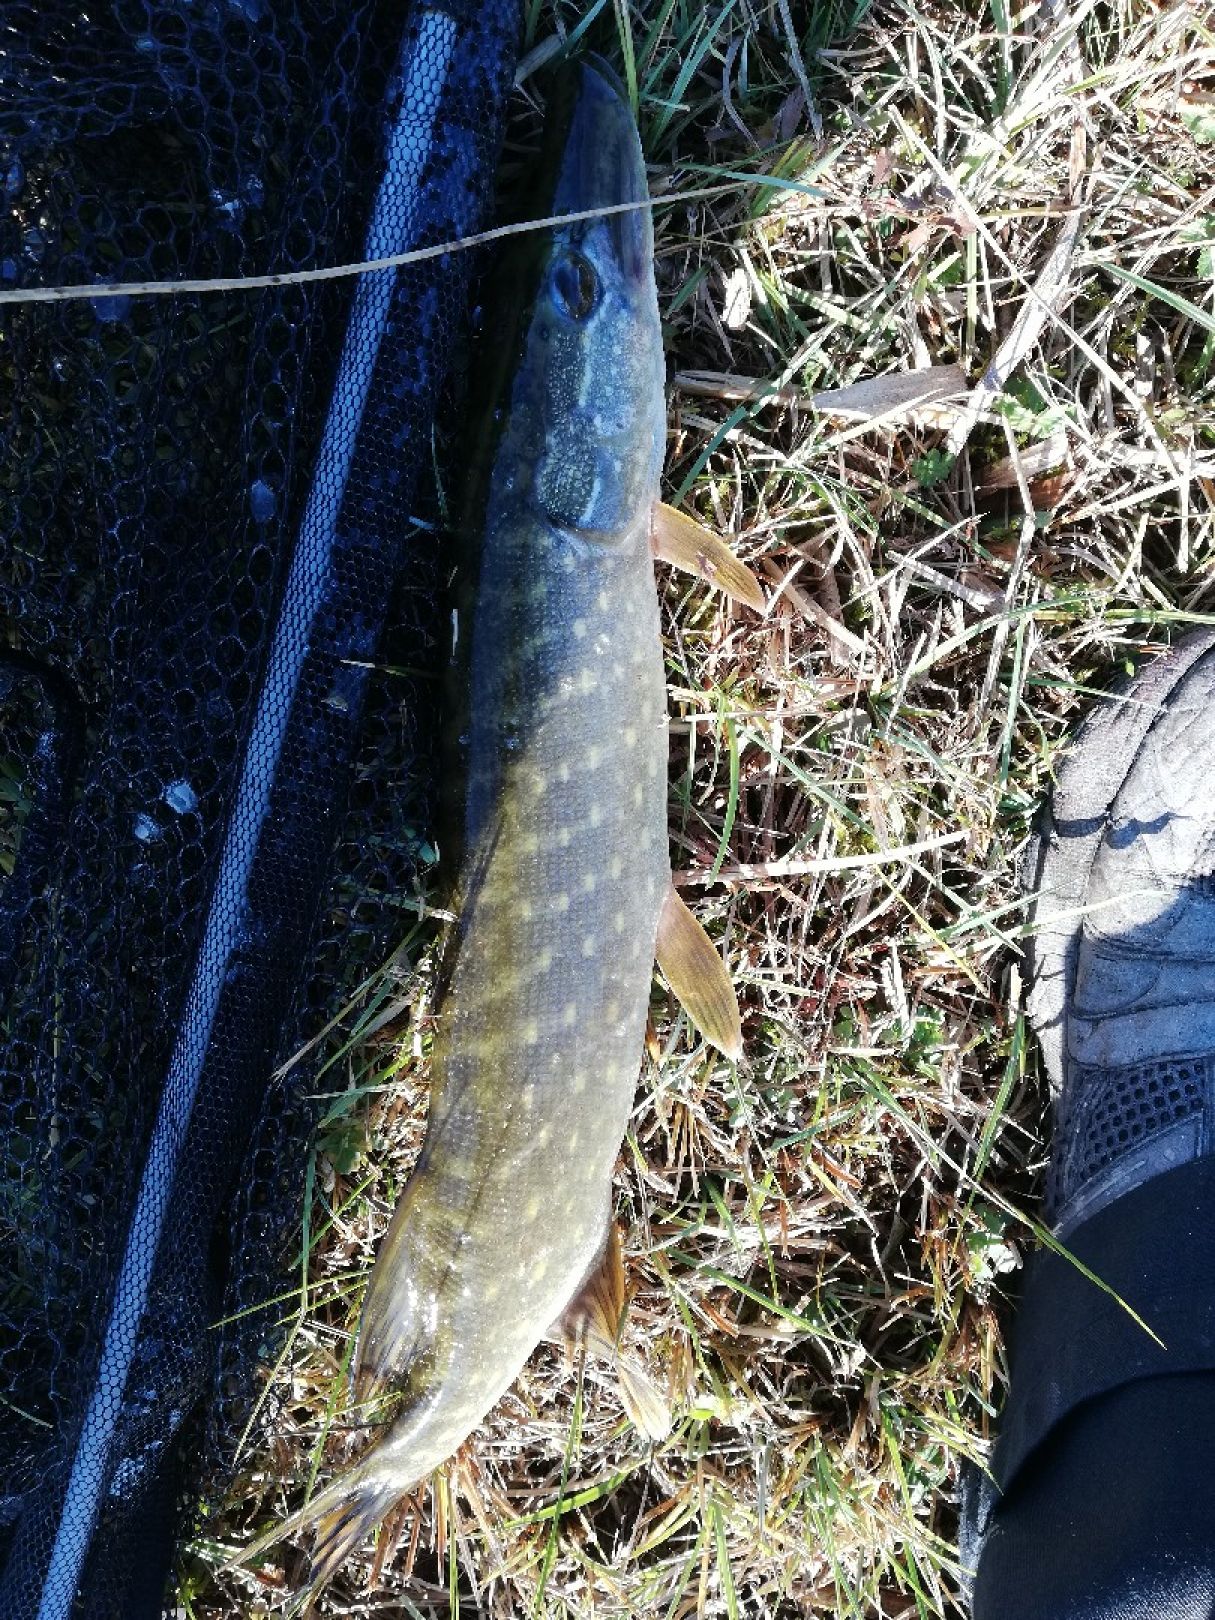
817 1240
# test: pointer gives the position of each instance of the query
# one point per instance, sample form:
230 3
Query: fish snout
603 167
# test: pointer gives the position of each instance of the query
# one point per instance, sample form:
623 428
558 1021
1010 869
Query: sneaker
1122 957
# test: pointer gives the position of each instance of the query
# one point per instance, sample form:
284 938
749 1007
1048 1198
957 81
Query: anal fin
698 976
679 540
598 1308
643 1401
597 1312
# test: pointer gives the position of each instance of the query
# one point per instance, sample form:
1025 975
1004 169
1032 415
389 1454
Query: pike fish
564 893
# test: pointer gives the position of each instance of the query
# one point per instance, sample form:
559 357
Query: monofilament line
361 267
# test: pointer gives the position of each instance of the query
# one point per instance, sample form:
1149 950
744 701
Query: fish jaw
590 391
603 167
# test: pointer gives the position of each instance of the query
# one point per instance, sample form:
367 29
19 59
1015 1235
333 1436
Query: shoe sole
1070 827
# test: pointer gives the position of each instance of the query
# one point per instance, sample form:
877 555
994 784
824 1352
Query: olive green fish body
564 849
536 1058
565 862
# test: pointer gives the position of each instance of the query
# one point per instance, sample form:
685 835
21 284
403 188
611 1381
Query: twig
763 871
1043 301
799 69
336 272
839 633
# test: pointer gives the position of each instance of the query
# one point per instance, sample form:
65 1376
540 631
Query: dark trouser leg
1113 1518
1106 1458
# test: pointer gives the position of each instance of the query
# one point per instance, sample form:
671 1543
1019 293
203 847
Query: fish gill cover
211 767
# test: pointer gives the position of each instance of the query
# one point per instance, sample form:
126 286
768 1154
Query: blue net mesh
211 510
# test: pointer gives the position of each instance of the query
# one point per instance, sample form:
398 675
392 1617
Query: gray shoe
1122 960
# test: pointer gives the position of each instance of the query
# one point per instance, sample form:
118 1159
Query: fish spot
572 1140
579 628
638 794
588 682
563 771
491 1290
527 1097
594 757
529 843
596 815
533 1209
630 736
561 902
589 882
538 783
578 1082
539 1269
603 602
563 837
544 1134
531 1032
617 867
620 922
544 960
526 910
589 945
569 1014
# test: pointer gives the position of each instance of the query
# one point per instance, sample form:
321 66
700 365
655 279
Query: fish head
595 344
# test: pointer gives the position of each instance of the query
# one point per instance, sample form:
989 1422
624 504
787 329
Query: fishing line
389 261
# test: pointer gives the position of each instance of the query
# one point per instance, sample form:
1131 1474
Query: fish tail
341 1528
342 1514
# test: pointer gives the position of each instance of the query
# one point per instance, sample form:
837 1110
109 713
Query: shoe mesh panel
210 803
1106 1112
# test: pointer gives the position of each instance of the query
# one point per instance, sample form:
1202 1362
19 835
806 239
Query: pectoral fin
686 544
698 976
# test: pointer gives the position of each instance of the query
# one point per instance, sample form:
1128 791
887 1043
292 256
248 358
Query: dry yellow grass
816 1240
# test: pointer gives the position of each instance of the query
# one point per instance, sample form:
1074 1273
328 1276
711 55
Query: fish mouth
602 165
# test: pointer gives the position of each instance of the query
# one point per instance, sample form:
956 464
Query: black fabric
1100 1502
1113 1518
1154 1250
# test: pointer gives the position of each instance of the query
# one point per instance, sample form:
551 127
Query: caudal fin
343 1514
339 1532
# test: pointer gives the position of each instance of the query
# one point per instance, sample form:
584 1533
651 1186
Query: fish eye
575 285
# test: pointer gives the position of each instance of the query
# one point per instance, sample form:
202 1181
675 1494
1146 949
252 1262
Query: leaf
932 468
1199 118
